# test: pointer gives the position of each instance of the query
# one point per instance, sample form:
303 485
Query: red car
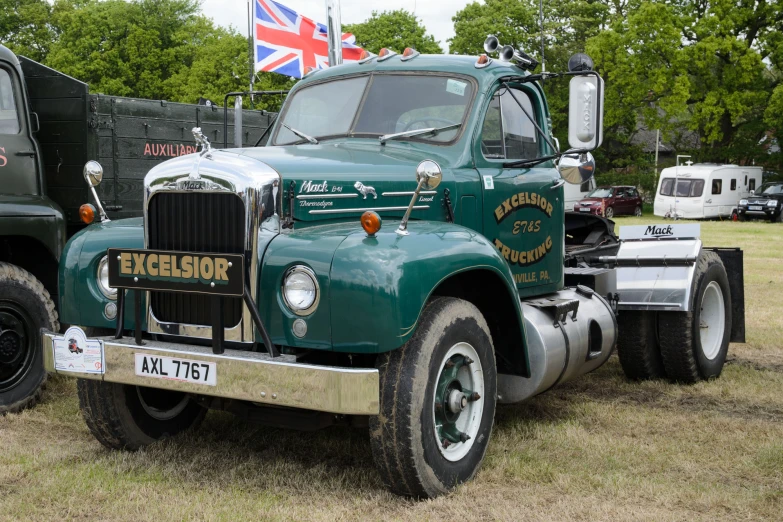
611 201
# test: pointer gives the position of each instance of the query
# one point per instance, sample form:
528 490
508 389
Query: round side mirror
93 173
430 172
576 168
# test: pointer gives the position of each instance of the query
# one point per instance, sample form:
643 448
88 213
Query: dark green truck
50 126
398 257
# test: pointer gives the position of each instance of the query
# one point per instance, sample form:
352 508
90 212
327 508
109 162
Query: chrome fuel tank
569 333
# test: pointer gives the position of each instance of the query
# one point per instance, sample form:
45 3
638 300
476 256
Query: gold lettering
548 243
541 251
207 268
221 267
498 244
165 265
125 263
152 270
138 264
549 209
499 213
196 274
187 267
505 252
514 256
175 271
534 199
515 201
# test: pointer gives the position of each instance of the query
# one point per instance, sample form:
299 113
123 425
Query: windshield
772 188
601 192
392 103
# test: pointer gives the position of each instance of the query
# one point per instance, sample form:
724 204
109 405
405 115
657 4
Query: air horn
507 53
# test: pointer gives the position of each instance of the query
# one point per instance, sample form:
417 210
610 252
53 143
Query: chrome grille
195 222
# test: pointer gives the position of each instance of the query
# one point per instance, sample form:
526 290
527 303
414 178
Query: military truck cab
398 257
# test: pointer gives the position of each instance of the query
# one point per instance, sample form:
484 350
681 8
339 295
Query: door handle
26 153
709 201
557 184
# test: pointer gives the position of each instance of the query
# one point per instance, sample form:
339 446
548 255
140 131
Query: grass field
598 448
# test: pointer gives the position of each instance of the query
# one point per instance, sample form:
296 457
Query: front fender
81 302
379 285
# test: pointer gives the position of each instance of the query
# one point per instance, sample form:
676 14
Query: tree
393 29
25 27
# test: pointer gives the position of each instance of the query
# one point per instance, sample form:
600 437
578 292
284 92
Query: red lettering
147 150
3 159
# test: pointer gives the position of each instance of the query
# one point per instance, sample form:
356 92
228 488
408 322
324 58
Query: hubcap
457 403
161 405
16 353
713 320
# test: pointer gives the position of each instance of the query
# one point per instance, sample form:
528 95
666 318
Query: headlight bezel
743 203
772 203
107 291
307 271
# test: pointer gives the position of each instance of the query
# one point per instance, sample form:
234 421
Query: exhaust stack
334 32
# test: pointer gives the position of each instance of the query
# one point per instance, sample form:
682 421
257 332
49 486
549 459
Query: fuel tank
569 333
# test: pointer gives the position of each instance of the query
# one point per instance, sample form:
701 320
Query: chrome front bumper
247 376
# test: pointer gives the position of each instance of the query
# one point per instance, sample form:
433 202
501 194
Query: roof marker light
482 61
366 56
385 54
409 53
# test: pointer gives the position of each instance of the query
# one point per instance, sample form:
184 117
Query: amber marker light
87 213
383 53
483 59
371 223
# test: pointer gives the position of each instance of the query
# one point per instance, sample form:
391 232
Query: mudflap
733 261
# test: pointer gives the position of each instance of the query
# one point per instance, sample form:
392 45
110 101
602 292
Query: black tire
609 213
117 417
637 346
679 333
25 308
403 437
637 212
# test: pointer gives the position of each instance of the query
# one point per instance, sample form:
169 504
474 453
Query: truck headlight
772 203
300 290
103 279
743 202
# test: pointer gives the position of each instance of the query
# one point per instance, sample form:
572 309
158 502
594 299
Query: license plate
175 369
584 209
755 207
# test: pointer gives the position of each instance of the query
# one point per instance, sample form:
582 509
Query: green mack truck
50 125
398 257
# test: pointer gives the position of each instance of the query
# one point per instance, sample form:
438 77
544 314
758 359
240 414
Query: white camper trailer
572 194
703 190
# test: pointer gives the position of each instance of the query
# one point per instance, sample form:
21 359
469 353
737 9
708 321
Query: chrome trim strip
241 375
327 196
381 209
256 183
410 193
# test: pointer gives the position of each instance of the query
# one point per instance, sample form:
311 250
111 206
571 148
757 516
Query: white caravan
703 190
574 193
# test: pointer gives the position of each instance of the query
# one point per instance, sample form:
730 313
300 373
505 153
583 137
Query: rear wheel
609 212
637 212
694 344
637 345
25 308
437 402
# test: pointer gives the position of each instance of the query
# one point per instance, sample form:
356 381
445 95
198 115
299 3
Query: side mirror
428 173
576 168
93 173
586 112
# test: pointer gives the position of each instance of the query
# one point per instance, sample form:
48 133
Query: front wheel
609 213
437 402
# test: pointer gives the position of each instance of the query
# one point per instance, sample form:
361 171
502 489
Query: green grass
597 448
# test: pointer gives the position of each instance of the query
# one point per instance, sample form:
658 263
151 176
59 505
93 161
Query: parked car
767 203
611 201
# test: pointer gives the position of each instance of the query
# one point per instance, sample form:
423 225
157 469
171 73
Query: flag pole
334 32
251 44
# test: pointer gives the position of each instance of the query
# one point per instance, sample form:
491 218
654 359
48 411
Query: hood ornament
206 151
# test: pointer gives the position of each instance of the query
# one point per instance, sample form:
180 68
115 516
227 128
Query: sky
435 15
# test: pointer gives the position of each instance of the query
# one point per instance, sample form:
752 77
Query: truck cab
397 257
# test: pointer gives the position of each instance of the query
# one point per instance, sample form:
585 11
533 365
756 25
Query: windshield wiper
301 134
529 162
418 132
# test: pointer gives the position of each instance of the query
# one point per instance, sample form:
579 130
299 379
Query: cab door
523 207
18 172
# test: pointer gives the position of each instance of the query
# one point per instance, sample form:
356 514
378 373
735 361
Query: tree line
707 73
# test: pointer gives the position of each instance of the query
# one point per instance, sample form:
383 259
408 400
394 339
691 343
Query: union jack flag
288 43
